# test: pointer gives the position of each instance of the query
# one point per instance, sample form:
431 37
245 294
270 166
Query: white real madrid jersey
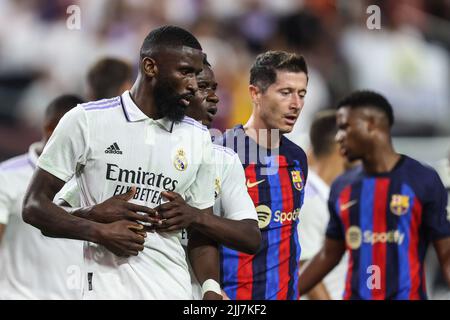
111 145
33 266
232 200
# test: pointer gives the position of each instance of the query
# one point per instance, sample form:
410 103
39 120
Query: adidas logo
114 148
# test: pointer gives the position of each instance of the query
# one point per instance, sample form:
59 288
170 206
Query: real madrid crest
216 188
399 204
180 161
297 180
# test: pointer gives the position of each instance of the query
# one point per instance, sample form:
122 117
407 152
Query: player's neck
143 98
381 159
256 129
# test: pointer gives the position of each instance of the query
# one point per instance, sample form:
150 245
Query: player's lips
186 99
290 119
211 111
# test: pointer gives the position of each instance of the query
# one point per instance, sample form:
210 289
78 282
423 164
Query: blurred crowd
407 59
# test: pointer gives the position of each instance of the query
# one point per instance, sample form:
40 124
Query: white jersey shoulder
40 270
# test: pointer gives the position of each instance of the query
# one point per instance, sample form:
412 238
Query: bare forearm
320 265
442 248
243 235
53 221
319 292
204 257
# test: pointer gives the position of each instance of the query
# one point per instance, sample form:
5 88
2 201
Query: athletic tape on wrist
211 285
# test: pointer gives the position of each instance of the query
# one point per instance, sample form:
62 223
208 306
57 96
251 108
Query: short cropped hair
368 99
168 36
322 133
263 71
107 76
60 105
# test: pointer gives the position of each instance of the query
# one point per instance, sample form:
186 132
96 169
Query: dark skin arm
323 262
41 212
204 257
319 292
442 248
243 235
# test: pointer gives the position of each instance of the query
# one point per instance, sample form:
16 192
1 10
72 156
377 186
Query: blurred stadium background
407 60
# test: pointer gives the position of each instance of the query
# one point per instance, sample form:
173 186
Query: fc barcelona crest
399 204
297 180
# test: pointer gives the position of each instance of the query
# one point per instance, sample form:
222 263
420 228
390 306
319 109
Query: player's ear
255 93
149 67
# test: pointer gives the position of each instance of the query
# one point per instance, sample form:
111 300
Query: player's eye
187 71
202 85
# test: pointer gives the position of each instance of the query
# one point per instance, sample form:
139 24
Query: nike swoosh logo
347 205
252 184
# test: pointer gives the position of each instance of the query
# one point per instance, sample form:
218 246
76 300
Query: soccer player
325 164
33 266
383 212
108 78
276 170
141 144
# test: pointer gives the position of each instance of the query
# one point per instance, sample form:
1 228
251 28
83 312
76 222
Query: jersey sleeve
70 193
5 200
68 146
235 202
435 217
335 228
201 192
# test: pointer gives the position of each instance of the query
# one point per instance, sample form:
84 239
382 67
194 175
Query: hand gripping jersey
387 221
275 182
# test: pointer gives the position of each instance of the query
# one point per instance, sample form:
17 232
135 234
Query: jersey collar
134 114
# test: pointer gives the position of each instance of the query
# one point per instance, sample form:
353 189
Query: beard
168 102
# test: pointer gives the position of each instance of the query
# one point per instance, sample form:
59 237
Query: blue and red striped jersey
387 221
275 181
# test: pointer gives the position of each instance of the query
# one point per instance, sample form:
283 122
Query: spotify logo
264 216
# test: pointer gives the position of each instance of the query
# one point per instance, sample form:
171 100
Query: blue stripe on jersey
229 268
366 224
274 236
354 221
259 260
404 225
391 248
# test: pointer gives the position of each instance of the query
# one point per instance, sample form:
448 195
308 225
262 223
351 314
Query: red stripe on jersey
250 174
244 277
379 226
345 217
413 250
245 262
286 229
